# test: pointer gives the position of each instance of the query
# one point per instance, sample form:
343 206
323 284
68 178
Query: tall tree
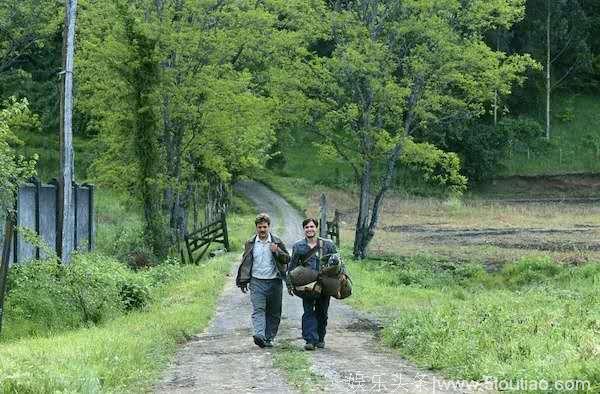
214 98
398 67
556 34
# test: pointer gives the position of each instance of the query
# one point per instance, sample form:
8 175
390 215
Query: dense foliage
183 97
45 297
15 116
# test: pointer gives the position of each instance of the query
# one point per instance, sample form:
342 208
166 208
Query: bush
530 270
44 296
134 294
483 147
93 286
36 299
164 273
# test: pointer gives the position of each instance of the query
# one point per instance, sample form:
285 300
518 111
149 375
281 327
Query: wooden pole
323 218
4 264
548 86
65 236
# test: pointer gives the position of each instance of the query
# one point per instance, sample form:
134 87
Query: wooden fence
329 229
198 242
37 210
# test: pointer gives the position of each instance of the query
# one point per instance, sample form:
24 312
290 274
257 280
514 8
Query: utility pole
65 238
548 87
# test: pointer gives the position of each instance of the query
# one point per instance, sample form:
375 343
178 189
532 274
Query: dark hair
308 220
262 218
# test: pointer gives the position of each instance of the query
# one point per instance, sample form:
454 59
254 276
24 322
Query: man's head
310 227
263 223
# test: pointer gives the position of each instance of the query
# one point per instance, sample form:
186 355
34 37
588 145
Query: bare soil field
491 230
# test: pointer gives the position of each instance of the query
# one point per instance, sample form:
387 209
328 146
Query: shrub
134 294
530 270
93 284
164 273
36 298
44 296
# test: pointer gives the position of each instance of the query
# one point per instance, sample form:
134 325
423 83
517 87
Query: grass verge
123 355
296 364
533 320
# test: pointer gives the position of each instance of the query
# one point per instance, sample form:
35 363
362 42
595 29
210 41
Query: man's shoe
309 346
268 343
260 342
320 345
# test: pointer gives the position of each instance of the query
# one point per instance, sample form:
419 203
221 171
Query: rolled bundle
301 276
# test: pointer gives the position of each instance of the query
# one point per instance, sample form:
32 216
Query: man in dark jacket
262 269
314 319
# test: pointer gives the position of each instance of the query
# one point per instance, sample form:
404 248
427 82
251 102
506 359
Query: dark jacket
301 249
281 258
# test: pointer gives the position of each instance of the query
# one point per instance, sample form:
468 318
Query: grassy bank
123 355
574 138
533 320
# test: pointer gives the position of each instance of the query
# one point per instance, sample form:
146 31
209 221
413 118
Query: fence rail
200 240
329 229
333 229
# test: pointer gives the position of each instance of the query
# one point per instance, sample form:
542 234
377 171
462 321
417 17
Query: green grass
297 191
296 364
123 355
533 320
570 153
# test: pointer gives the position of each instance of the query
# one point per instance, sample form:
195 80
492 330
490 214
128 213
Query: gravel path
224 358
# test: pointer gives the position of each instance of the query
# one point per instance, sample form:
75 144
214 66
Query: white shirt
263 266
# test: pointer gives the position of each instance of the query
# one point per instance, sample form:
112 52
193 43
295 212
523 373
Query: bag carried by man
332 279
304 279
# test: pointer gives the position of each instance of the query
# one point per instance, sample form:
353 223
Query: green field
575 140
533 320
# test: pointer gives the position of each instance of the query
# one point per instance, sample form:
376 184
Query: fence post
8 235
75 218
323 217
91 219
225 236
336 221
38 185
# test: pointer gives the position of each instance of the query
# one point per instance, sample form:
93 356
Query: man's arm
243 278
281 254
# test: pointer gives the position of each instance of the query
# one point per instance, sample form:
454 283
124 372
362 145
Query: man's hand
244 287
290 292
274 247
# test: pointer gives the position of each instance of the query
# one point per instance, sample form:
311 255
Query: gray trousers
265 295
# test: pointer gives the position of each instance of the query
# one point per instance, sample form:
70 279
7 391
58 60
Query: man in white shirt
262 269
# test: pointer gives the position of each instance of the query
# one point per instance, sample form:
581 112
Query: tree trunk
362 223
216 200
144 79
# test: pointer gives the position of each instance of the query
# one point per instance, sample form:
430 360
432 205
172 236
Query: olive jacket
281 258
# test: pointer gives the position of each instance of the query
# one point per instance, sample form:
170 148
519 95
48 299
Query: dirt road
225 359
